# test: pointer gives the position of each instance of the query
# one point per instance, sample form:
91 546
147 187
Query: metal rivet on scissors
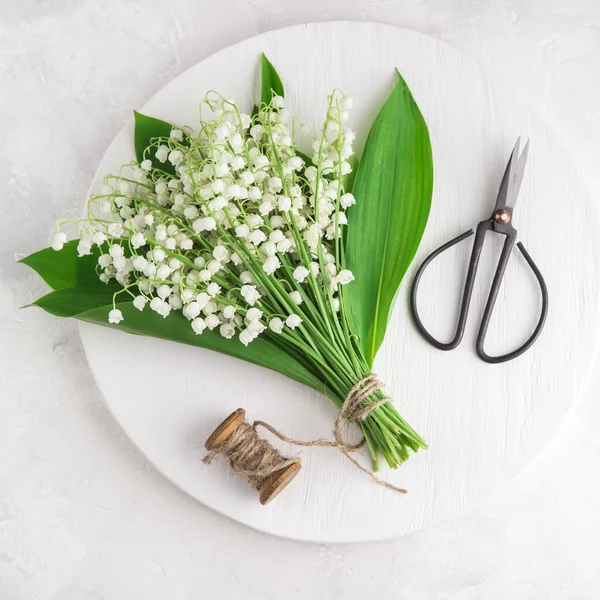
499 222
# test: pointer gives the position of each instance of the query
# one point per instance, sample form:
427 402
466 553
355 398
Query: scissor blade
517 176
503 192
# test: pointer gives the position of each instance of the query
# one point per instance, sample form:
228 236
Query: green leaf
393 188
177 328
70 302
146 129
63 268
349 179
270 81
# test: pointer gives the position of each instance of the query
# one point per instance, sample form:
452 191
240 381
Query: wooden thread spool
273 484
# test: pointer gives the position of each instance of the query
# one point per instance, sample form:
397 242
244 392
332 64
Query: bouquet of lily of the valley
249 235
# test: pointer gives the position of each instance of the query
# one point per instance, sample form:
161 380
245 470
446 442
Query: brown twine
254 457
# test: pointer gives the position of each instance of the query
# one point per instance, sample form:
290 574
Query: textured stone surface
82 517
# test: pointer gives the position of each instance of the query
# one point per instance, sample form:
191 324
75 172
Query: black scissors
499 222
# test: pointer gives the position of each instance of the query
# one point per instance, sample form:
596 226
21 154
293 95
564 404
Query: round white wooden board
484 423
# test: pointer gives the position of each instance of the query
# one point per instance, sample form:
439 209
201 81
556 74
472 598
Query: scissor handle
482 229
491 301
467 293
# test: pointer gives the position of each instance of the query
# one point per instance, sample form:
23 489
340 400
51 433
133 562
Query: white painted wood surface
484 423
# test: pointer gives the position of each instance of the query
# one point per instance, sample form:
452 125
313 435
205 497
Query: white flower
274 184
221 254
242 231
163 272
217 203
330 269
212 321
115 230
175 301
191 310
284 245
310 173
105 260
296 296
174 263
198 325
254 193
115 316
84 248
205 275
176 134
257 237
210 308
187 295
284 203
269 248
214 266
98 238
312 236
254 314
204 224
229 311
149 270
160 233
140 302
300 274
175 157
213 289
202 299
278 102
221 169
155 304
158 254
271 265
146 165
227 330
162 153
256 131
295 163
238 162
256 328
164 291
255 220
164 309
345 276
246 277
276 325
138 240
265 208
190 212
247 178
276 236
250 294
217 186
246 337
119 263
347 200
293 321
